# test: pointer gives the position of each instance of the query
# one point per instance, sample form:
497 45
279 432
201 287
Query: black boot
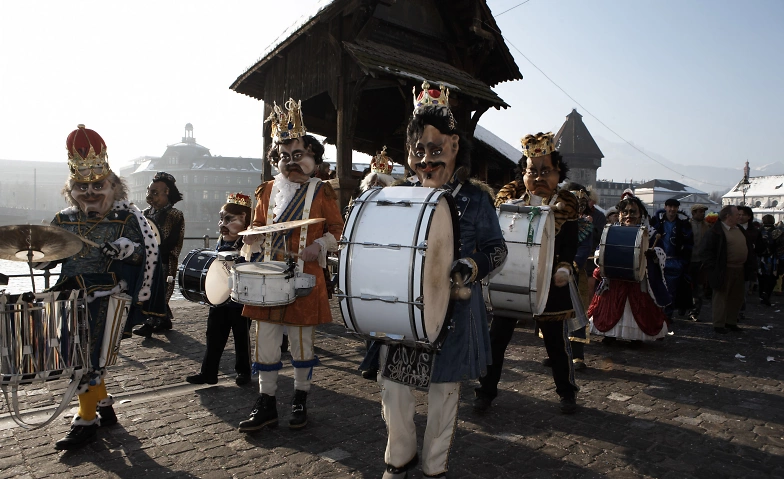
264 414
108 417
77 437
161 325
146 329
299 411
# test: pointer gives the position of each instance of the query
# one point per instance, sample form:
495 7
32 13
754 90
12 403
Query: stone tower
579 150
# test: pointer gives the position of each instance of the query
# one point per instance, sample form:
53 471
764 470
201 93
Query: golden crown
84 163
381 163
287 125
432 97
539 144
239 199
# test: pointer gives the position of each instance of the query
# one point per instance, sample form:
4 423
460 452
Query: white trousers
268 339
398 405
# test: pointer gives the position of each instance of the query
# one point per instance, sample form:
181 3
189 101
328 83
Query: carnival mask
231 224
296 161
434 156
94 198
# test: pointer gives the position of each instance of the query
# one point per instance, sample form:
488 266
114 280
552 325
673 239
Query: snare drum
397 251
263 284
42 340
204 276
622 252
523 282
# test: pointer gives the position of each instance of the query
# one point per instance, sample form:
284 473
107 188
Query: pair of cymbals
37 243
284 226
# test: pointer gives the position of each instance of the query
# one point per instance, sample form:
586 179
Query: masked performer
126 262
632 310
439 154
294 194
542 168
234 217
162 194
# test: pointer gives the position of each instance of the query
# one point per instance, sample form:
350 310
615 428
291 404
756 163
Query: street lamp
744 187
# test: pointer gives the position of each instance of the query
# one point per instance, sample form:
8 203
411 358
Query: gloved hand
561 278
111 250
465 268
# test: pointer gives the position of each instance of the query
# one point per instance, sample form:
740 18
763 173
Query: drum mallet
459 289
88 242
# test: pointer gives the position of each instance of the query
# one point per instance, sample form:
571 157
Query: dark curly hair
555 158
168 180
633 200
307 140
437 117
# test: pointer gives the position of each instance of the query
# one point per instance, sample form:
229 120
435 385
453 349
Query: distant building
610 191
203 179
765 195
655 192
31 191
578 148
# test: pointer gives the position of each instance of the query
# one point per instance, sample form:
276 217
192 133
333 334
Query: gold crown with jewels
539 144
288 124
382 163
432 97
239 199
84 163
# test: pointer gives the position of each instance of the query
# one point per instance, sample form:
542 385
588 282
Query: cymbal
48 243
286 225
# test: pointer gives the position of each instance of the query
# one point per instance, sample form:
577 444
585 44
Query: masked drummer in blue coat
126 261
235 216
439 154
541 170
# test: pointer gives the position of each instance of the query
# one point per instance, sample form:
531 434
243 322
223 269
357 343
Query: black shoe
202 379
734 328
77 437
242 379
284 345
393 472
264 414
568 405
161 325
609 340
144 330
547 362
108 417
694 317
720 330
371 374
482 401
579 365
299 411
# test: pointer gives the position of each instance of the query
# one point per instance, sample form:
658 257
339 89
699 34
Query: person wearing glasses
162 194
541 170
629 310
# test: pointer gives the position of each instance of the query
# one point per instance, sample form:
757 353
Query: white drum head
267 268
216 283
438 263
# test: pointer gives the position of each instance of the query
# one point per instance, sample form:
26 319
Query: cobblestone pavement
694 405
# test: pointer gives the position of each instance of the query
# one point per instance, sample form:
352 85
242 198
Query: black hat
672 202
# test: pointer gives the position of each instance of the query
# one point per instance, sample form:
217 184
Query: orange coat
312 309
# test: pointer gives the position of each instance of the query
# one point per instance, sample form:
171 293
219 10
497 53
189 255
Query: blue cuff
258 367
306 364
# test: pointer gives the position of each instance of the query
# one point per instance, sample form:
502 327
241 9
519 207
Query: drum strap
303 236
535 211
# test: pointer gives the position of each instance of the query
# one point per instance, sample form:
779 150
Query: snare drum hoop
640 246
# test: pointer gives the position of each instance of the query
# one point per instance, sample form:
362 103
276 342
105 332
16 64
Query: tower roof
574 139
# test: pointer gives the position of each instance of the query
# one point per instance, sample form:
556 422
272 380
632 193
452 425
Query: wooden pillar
348 105
266 130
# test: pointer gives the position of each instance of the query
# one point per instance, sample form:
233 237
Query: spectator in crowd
770 257
746 224
612 216
676 239
698 228
726 261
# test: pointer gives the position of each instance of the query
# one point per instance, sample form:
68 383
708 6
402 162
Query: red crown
87 158
239 199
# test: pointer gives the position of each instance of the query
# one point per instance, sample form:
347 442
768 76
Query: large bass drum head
216 284
437 265
544 261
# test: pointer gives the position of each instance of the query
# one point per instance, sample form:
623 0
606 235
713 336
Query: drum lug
422 248
419 301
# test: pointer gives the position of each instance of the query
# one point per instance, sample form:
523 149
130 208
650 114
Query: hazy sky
698 82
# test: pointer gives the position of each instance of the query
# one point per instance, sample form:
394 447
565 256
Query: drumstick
91 243
656 240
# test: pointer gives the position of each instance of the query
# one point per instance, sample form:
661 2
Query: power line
591 114
510 9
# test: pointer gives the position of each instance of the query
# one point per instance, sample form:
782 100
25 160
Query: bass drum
523 282
397 251
204 275
622 252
